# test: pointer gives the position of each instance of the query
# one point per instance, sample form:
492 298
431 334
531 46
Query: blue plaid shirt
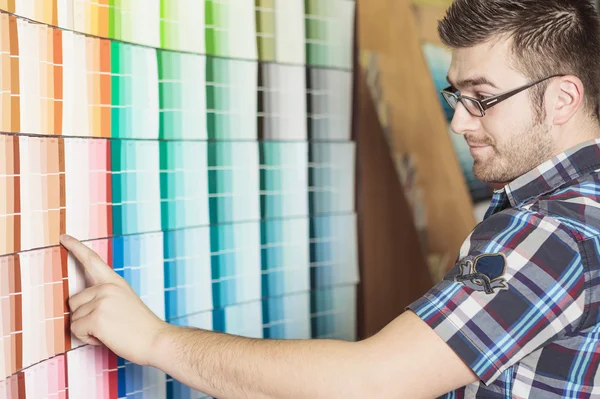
521 307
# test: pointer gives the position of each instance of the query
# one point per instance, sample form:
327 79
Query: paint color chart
202 148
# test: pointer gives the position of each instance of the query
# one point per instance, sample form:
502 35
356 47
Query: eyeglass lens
471 106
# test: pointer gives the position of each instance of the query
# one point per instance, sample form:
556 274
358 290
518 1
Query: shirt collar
554 173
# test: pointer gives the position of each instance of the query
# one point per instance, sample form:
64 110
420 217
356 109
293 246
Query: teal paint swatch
233 182
331 177
333 251
135 186
231 100
182 86
135 102
333 313
287 317
183 184
285 257
329 29
187 272
283 179
235 263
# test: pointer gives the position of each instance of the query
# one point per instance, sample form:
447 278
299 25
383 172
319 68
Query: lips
475 146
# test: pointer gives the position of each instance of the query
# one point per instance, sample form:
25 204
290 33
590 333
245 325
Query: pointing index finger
92 263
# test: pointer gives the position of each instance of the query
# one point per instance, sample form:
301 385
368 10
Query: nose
463 121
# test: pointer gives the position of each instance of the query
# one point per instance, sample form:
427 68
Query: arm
406 359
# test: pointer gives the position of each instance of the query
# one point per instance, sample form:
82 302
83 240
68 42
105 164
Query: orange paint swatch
57 65
5 69
10 231
15 104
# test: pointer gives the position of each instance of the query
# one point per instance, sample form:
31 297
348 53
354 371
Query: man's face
508 141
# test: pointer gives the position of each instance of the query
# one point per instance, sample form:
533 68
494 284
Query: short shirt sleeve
518 284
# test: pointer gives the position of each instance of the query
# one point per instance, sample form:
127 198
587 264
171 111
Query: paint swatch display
202 148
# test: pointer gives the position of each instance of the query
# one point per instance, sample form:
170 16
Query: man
519 314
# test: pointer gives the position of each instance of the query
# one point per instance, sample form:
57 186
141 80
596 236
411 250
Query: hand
110 312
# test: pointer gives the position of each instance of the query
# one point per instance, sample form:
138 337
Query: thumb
91 261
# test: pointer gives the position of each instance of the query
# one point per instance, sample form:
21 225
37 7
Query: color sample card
139 260
136 201
11 340
88 191
8 43
135 21
333 313
231 28
141 382
285 257
42 191
187 273
92 372
265 29
10 203
182 88
231 100
43 288
235 263
183 184
135 92
45 11
329 104
40 47
331 177
333 251
282 102
290 32
287 317
280 31
329 32
182 25
283 179
233 181
88 91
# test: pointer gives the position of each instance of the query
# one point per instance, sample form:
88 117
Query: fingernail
64 237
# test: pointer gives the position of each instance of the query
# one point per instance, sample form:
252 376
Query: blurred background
277 169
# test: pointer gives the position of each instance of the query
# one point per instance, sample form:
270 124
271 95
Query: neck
574 133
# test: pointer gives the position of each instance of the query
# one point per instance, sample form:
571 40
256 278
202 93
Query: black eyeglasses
477 107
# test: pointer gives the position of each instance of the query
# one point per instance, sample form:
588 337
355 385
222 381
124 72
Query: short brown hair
549 37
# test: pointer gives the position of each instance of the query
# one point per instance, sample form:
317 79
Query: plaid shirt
521 307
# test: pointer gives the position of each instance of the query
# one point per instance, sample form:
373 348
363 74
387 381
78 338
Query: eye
482 96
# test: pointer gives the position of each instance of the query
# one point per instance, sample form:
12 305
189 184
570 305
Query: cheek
508 119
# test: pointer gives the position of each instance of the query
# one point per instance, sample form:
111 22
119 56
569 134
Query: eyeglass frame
489 102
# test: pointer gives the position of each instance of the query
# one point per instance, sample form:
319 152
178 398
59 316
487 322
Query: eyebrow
475 81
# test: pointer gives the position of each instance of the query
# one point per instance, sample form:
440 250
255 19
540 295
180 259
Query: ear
570 92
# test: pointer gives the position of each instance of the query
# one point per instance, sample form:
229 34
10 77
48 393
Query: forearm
227 366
